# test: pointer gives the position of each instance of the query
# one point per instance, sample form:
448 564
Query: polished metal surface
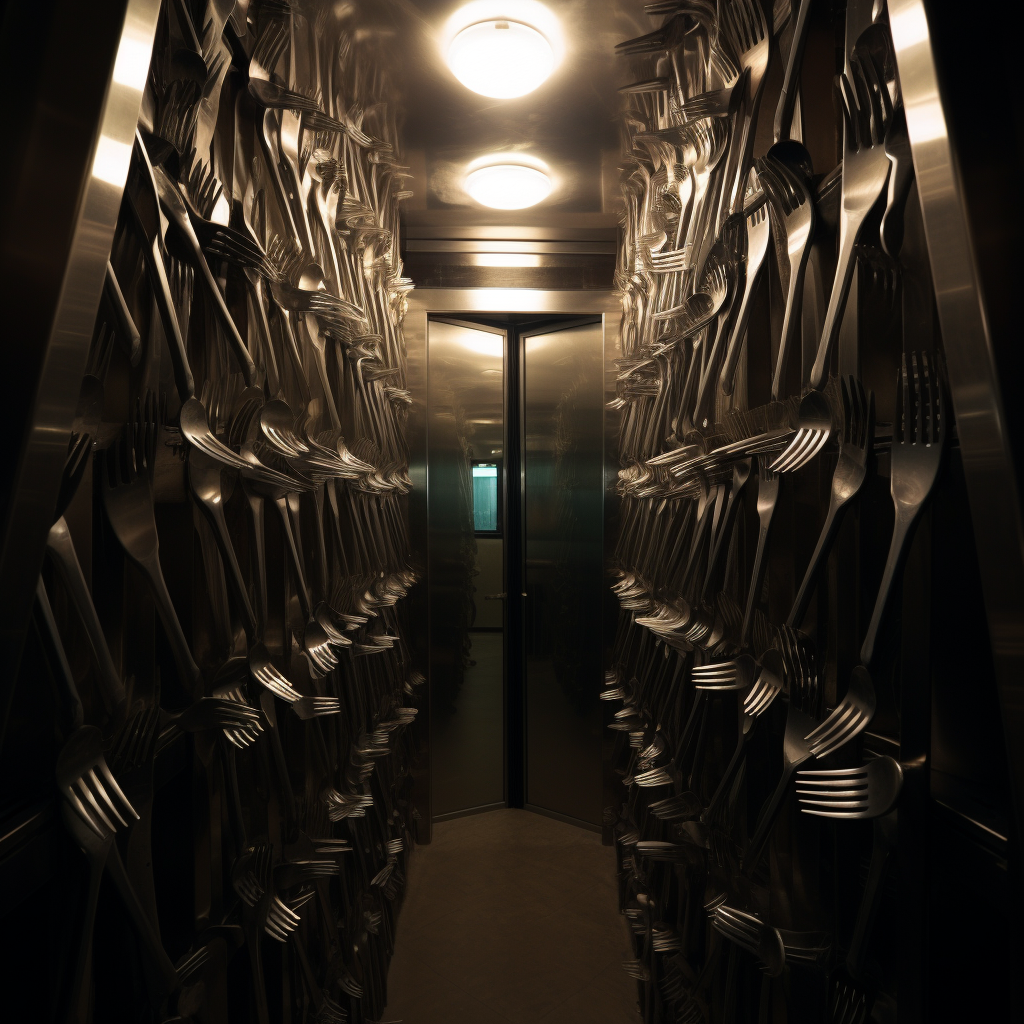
562 400
465 424
569 122
54 256
455 303
989 460
215 421
846 684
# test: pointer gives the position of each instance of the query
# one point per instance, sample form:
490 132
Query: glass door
466 554
562 438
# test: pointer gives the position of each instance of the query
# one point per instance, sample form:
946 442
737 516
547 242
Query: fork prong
85 791
794 456
781 463
817 442
857 777
111 783
838 798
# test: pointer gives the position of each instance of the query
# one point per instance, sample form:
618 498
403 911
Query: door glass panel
465 435
563 503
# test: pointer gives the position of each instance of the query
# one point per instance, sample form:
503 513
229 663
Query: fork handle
732 768
166 980
150 565
62 550
901 532
791 317
880 849
739 331
850 225
791 79
183 379
296 555
77 1008
757 576
768 817
825 541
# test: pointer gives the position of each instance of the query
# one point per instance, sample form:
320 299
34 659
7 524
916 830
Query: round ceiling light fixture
508 182
502 48
501 59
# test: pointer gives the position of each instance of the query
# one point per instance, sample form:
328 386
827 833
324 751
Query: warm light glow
484 344
110 164
501 184
507 259
502 48
131 66
503 59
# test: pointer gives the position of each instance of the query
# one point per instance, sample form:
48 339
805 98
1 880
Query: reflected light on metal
483 344
110 164
501 59
506 259
132 63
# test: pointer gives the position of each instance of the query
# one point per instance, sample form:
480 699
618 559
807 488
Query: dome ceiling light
502 48
508 182
502 59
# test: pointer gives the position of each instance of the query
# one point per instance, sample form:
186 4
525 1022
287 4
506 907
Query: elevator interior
515 483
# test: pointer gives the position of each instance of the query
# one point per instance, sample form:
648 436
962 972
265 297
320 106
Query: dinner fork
847 480
814 429
752 934
187 248
61 549
127 489
757 228
916 457
849 995
866 792
792 216
93 802
868 114
745 28
767 500
803 700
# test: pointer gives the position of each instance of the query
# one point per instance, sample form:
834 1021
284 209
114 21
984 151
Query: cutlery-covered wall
813 722
209 727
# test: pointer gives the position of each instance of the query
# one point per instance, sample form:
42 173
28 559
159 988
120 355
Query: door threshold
481 809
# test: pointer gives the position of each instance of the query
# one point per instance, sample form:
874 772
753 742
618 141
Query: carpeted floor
510 918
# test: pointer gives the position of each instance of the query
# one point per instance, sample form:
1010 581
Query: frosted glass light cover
501 59
508 186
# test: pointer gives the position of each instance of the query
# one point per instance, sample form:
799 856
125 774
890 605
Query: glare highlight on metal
506 259
508 185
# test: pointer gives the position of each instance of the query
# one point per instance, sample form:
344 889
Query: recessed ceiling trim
508 245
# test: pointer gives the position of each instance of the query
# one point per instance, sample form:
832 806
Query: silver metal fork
866 792
868 112
752 934
916 456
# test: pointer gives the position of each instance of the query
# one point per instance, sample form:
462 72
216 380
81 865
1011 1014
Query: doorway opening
515 496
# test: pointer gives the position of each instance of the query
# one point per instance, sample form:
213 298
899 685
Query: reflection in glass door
465 493
562 406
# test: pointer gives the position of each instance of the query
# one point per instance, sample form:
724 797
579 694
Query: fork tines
98 789
920 417
764 690
834 794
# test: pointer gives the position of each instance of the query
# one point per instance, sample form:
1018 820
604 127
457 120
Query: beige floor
510 918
